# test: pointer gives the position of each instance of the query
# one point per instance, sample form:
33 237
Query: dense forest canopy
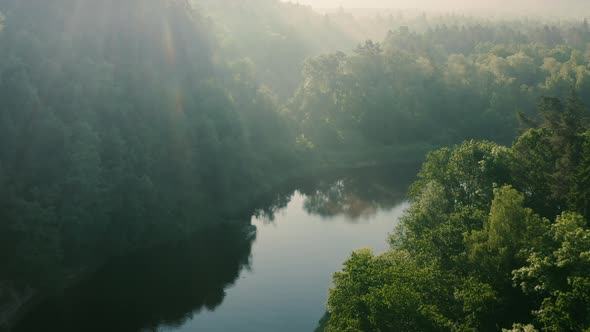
496 237
128 124
439 86
117 127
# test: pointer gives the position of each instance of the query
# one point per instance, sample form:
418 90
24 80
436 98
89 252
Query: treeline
118 129
496 237
439 86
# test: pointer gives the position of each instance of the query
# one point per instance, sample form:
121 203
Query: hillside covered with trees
117 129
128 124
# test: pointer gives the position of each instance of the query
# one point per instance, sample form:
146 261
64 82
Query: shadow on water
164 286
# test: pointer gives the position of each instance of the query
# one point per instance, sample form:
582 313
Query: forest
496 237
125 125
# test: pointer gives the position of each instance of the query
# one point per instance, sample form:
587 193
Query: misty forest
264 166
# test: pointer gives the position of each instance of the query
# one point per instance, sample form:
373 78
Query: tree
534 163
558 271
565 123
369 295
582 196
369 48
509 229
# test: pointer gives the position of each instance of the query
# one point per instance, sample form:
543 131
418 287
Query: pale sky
454 5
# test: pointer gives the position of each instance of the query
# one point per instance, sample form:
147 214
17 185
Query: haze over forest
521 7
147 147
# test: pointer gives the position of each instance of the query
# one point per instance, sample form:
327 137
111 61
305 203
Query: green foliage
391 292
536 161
559 271
582 197
473 224
442 84
510 228
551 159
521 328
468 172
478 301
118 130
451 197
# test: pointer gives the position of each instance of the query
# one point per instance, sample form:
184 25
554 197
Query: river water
224 280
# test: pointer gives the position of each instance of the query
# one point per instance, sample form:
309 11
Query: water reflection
351 198
283 277
160 287
354 195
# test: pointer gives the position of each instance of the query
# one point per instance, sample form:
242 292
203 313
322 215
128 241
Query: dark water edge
236 211
162 285
322 324
183 292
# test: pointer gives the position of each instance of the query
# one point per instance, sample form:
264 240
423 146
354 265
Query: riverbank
223 280
330 163
240 208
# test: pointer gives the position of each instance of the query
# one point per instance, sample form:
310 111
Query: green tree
534 163
391 292
582 196
566 123
557 270
509 229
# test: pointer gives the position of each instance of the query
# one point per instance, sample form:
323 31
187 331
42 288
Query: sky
383 3
523 6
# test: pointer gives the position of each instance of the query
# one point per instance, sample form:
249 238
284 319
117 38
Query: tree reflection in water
160 287
355 198
355 195
164 287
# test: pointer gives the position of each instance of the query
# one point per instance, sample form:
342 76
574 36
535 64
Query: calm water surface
223 280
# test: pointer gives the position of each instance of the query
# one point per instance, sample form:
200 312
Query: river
223 280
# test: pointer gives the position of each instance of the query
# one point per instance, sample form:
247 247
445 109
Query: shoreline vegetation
496 238
24 303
